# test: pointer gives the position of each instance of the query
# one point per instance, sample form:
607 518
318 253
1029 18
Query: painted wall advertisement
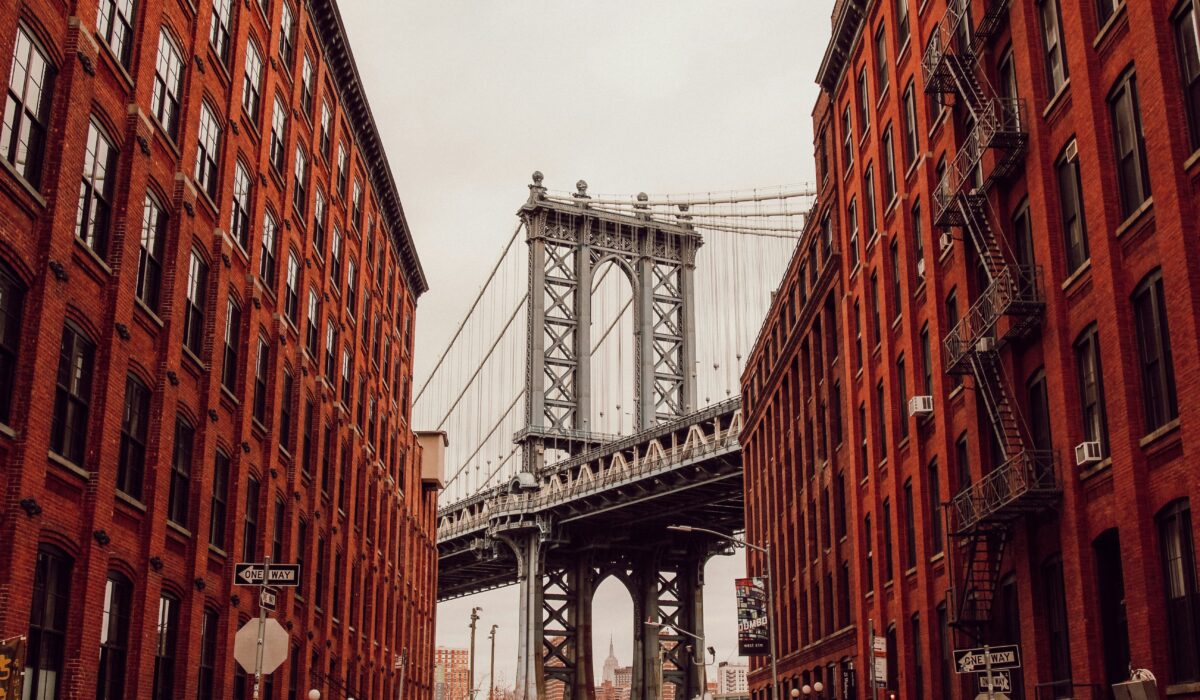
12 666
753 635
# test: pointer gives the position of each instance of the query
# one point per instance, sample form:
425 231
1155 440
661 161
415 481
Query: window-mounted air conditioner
946 240
919 406
921 268
985 344
1087 453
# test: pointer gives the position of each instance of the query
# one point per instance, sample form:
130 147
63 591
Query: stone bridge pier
557 583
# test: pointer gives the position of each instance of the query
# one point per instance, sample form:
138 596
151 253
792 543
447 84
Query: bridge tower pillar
669 591
527 545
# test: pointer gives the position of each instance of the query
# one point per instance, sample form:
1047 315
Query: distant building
731 681
451 674
610 666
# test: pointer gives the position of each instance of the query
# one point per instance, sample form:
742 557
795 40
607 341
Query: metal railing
1014 288
1029 473
944 35
996 117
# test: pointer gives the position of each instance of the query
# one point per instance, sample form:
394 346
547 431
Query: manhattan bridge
591 399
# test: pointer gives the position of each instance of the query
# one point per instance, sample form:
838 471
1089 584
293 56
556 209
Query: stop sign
275 645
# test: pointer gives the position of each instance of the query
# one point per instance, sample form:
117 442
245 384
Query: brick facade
308 477
1080 583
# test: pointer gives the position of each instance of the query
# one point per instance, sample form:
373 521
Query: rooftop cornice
332 34
848 19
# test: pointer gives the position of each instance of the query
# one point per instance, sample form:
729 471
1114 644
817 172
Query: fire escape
983 514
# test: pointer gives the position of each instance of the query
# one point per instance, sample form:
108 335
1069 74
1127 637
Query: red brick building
207 288
967 414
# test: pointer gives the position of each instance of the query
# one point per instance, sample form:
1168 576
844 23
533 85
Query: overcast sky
472 96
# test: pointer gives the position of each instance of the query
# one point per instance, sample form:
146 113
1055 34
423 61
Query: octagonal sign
275 645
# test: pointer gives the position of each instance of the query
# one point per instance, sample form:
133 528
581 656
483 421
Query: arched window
1182 597
12 302
114 637
45 648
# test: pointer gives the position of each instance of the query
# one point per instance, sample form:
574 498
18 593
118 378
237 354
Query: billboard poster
753 635
12 667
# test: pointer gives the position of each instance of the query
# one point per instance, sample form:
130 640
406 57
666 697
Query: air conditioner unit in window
921 268
1087 453
919 406
985 344
946 240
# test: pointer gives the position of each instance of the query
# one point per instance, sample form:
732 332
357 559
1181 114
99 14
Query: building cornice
332 34
848 19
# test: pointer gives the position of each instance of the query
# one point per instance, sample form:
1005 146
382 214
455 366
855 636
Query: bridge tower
568 241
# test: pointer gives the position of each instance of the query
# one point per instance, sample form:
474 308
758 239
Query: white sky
472 96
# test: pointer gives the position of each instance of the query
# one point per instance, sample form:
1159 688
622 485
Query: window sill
1074 277
1099 468
1192 161
93 255
937 123
956 392
1057 101
153 317
71 467
1183 688
1159 434
179 529
187 353
1133 219
7 432
937 557
25 184
130 501
214 549
1103 35
229 396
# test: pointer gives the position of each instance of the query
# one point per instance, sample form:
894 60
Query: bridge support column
669 591
567 627
528 549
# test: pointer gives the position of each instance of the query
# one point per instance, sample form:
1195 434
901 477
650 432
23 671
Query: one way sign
978 660
251 574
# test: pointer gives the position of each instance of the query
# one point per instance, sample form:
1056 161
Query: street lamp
808 690
701 661
314 694
766 551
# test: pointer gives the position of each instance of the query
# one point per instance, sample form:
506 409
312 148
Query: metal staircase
1010 307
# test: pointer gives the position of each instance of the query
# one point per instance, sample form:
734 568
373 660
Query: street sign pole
987 670
262 625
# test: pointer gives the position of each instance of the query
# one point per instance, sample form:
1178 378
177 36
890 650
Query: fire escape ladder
961 67
993 389
996 258
983 554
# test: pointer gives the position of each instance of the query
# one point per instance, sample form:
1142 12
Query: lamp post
471 664
492 663
701 661
766 551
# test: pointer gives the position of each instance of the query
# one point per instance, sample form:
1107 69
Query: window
1023 238
336 603
218 30
912 144
889 168
30 87
926 362
962 458
1057 634
1052 45
301 555
1039 411
858 344
250 520
1133 176
910 526
45 645
847 139
869 202
1091 387
1110 589
154 232
73 393
278 134
852 218
239 223
1154 352
881 61
356 205
114 637
287 36
266 260
219 499
318 238
934 488
229 360
312 331
347 388
351 287
330 349
168 83
342 169
178 502
164 647
870 552
864 102
300 188
277 530
134 422
306 86
252 83
285 412
876 310
262 362
307 439
897 293
1105 10
1187 37
208 151
319 593
193 318
1071 199
902 396
888 561
114 20
291 292
326 129
335 259
208 653
95 191
1182 594
12 301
